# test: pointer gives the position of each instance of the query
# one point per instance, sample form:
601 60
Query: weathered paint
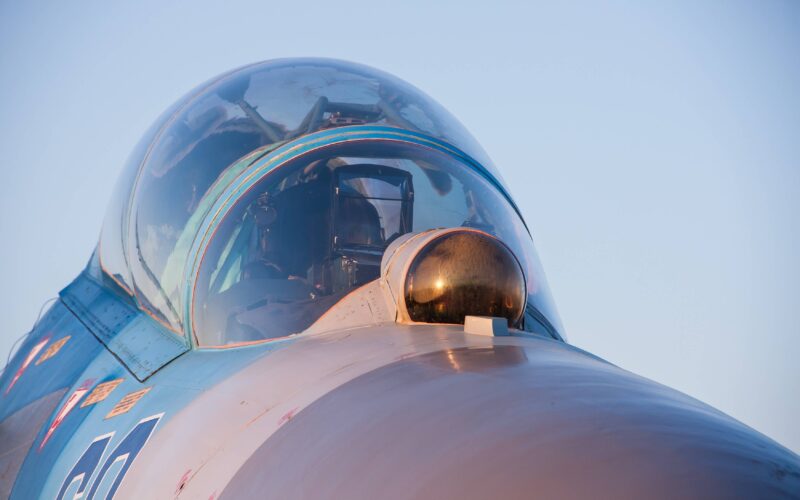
512 421
223 410
83 361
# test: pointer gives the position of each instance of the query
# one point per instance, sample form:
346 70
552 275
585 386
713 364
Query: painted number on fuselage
125 452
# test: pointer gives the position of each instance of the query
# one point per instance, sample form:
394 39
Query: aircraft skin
376 395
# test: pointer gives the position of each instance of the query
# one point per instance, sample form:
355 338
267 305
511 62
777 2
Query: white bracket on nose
486 325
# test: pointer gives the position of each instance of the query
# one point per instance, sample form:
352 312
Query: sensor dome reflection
465 273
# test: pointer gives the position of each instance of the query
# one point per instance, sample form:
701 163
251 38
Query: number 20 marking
125 452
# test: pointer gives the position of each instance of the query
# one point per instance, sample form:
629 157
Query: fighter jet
312 282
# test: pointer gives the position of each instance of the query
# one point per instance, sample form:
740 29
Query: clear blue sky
654 150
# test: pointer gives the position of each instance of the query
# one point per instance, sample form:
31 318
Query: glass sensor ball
465 273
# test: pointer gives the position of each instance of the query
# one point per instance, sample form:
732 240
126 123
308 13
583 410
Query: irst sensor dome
461 273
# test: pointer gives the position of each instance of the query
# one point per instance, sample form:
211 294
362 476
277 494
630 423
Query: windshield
316 228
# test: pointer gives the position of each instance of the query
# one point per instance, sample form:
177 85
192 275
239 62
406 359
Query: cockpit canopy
238 215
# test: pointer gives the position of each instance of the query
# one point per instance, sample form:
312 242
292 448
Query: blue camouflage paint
58 372
140 343
83 358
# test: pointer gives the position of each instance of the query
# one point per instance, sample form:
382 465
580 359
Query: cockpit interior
317 228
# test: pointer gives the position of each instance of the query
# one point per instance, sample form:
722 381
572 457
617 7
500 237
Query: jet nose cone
514 422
